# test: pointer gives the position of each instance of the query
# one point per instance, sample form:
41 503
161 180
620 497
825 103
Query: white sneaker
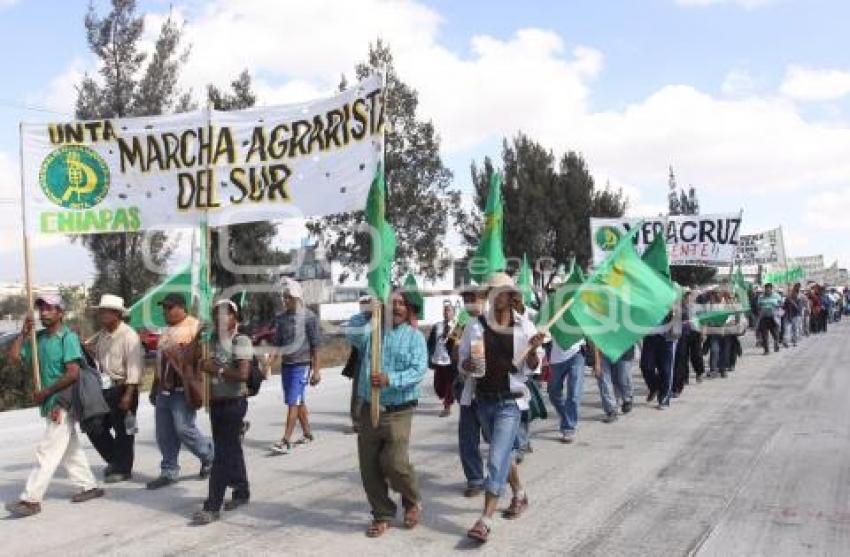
281 447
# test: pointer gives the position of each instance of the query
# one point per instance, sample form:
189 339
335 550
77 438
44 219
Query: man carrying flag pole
394 362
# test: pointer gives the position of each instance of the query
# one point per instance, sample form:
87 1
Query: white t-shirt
561 355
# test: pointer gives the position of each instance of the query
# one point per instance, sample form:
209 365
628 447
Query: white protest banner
811 264
123 175
691 239
762 248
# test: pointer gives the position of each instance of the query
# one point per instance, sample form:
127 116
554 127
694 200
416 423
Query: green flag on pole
146 312
415 295
524 282
622 301
383 242
490 255
656 256
202 282
463 317
740 290
565 332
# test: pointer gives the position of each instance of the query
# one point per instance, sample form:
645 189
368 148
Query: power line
31 107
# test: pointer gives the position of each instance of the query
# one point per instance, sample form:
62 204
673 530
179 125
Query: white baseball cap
292 288
54 300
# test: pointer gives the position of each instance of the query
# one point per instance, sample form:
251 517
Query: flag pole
377 312
36 375
545 329
375 402
205 346
207 240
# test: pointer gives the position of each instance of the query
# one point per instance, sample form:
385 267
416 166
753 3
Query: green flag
383 238
740 290
202 282
565 331
524 282
463 317
656 256
415 295
490 255
622 301
146 312
714 318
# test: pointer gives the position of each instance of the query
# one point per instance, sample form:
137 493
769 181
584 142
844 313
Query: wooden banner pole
36 375
375 402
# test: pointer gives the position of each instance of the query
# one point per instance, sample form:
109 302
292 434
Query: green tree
419 201
13 305
547 205
681 203
131 83
249 243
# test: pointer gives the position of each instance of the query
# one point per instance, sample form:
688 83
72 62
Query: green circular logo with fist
607 237
74 177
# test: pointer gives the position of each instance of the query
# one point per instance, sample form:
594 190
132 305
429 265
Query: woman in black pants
229 368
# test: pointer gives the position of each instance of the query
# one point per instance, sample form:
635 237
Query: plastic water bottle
130 425
477 354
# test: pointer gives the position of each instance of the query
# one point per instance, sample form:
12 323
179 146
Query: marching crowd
493 362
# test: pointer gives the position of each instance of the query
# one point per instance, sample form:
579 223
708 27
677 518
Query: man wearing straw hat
512 351
118 352
59 356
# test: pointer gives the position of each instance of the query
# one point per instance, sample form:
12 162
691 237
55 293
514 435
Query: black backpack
255 378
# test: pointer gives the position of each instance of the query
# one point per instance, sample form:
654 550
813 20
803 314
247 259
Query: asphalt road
755 464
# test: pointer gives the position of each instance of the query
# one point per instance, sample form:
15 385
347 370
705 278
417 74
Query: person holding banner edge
59 353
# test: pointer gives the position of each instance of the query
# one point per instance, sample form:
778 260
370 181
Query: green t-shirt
227 353
768 304
54 351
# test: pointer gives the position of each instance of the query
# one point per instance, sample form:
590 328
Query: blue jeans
718 355
616 381
656 363
572 372
793 329
469 439
175 424
499 420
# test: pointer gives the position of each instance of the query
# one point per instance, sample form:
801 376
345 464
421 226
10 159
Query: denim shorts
294 378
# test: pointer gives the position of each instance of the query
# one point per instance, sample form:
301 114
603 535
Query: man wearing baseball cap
118 352
59 356
175 418
297 339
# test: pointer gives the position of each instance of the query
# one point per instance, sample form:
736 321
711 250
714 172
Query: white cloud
60 95
530 81
738 83
807 84
743 142
7 4
795 241
829 210
746 4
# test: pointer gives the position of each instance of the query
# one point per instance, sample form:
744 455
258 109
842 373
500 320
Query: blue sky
749 100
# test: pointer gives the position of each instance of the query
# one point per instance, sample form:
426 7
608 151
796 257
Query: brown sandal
377 529
412 515
517 507
479 532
